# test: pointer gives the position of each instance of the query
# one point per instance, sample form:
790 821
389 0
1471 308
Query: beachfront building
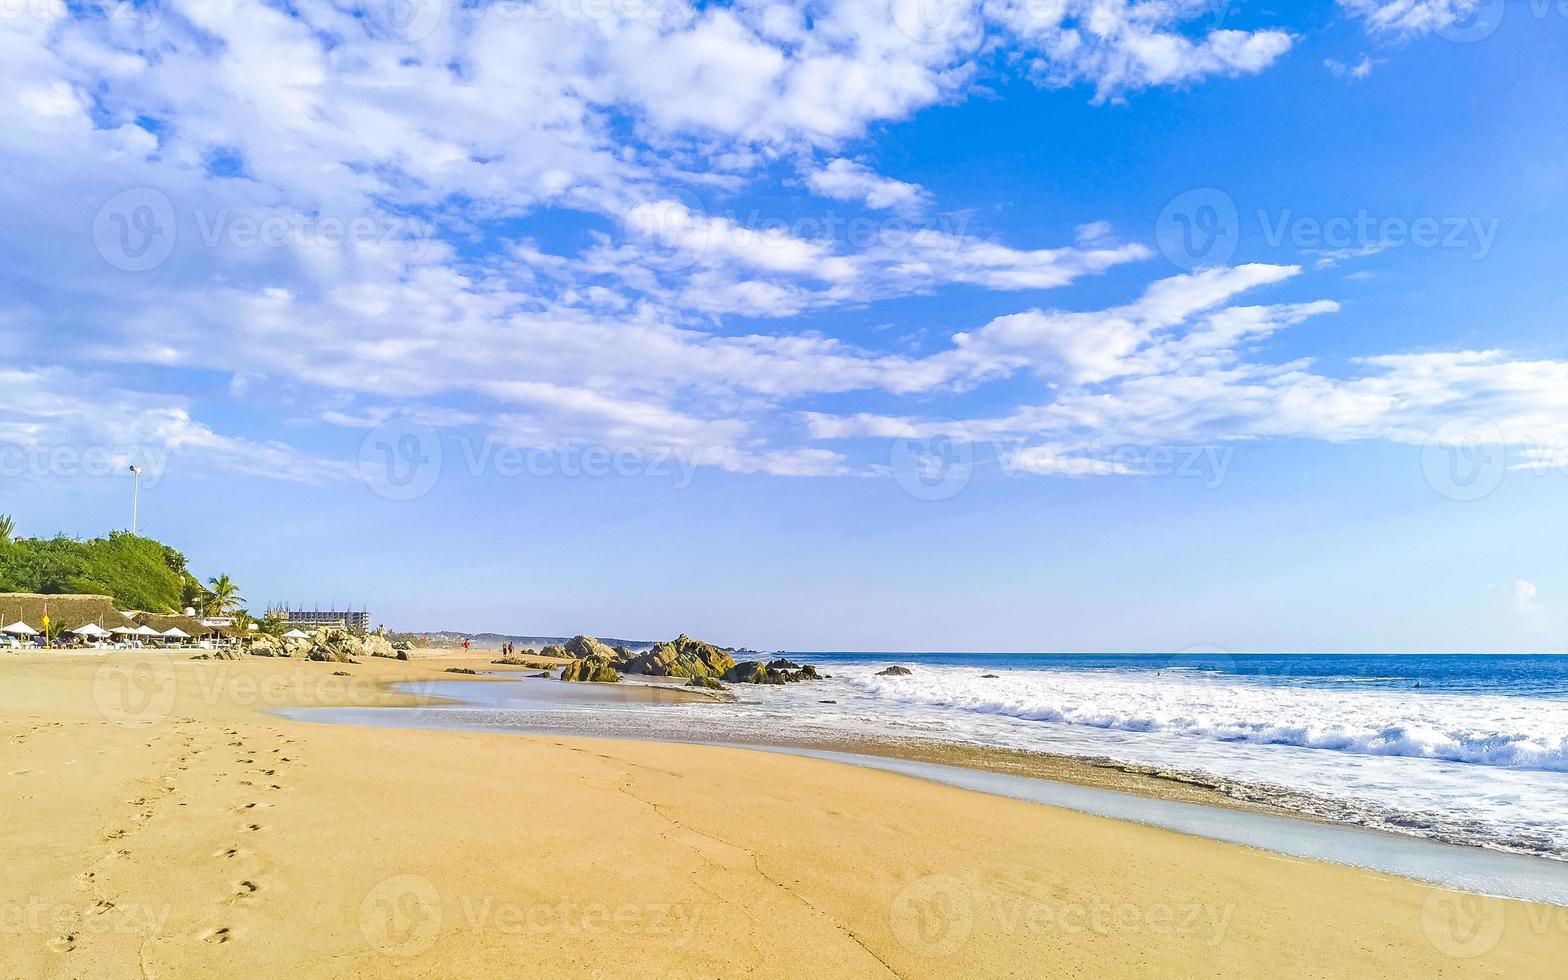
315 619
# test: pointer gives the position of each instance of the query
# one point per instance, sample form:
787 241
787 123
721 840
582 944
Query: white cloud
846 180
60 423
1411 17
1361 69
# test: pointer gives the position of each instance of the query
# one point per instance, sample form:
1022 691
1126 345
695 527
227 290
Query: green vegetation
139 573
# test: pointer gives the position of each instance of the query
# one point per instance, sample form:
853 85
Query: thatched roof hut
190 625
67 611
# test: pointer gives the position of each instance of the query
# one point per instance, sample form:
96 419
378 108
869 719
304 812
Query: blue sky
931 324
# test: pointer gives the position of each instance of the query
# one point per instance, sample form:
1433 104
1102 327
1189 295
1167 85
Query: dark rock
827 702
542 673
895 671
989 677
752 672
341 673
707 682
782 664
590 669
461 670
402 655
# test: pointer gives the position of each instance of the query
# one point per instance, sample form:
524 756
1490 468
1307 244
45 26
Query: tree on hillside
192 594
222 595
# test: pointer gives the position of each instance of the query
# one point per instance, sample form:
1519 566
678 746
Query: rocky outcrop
681 657
895 671
262 645
338 647
755 672
219 655
588 648
590 669
707 682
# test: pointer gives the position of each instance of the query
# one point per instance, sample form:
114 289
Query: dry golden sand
159 823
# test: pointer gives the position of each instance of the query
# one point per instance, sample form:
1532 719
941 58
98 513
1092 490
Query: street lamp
136 494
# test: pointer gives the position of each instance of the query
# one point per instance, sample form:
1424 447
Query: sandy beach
161 823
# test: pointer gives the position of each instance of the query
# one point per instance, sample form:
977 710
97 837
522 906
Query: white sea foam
1488 730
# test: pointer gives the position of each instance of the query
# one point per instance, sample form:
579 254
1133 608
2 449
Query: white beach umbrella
145 631
296 635
19 628
175 633
91 629
123 631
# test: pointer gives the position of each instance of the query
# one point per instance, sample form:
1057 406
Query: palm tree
222 594
7 528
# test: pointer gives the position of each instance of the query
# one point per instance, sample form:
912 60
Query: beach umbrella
19 628
91 629
123 631
145 631
175 633
296 635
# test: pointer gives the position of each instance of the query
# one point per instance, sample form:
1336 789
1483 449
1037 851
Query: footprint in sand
253 827
245 889
222 935
63 944
230 853
23 772
101 906
114 835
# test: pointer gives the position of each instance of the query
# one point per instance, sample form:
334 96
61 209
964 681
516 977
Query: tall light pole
136 495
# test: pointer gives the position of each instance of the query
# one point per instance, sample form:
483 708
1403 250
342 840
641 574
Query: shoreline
1096 772
166 822
1470 866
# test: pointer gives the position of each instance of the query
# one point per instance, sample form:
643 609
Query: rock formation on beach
704 664
590 669
586 647
681 657
326 646
773 672
895 671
